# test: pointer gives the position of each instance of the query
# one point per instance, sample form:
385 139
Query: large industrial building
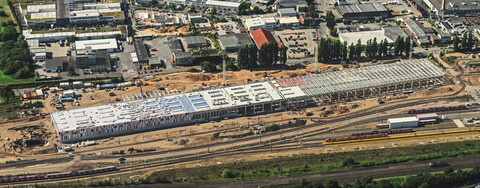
158 110
443 8
64 12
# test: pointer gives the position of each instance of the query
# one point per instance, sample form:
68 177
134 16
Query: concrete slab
458 123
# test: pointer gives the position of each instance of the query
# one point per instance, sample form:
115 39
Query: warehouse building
420 32
287 12
364 11
141 53
260 22
225 5
195 41
405 122
160 110
92 46
233 42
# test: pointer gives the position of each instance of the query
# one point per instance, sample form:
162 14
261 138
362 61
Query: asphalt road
351 175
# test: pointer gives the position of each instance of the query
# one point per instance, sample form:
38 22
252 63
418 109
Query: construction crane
151 10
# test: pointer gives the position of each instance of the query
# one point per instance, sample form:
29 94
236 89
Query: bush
227 174
271 128
348 161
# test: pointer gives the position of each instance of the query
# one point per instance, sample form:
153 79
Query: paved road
383 171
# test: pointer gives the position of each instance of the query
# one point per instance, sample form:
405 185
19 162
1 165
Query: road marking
458 123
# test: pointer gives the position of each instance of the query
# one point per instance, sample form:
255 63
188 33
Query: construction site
157 110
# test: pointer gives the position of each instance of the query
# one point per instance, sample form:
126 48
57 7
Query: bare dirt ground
474 80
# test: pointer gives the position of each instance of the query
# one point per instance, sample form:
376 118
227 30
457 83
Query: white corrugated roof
404 119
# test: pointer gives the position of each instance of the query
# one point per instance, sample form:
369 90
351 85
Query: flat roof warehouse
230 98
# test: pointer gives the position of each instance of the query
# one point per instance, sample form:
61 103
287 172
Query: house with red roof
261 36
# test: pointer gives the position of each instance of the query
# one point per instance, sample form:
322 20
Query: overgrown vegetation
447 178
323 162
15 58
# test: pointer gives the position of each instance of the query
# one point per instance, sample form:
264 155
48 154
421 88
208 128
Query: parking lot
299 42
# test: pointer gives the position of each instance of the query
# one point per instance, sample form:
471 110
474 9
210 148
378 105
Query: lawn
4 6
5 79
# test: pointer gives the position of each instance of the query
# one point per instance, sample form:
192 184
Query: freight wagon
436 109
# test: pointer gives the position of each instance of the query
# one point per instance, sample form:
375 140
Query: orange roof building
261 36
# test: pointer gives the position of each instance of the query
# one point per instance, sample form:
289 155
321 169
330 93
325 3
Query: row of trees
467 42
331 49
269 54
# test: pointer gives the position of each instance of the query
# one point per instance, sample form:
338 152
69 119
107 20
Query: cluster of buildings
446 8
415 121
64 13
426 35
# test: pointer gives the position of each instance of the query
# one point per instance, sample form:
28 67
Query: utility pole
224 69
315 70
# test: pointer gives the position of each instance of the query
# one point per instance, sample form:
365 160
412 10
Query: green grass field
5 79
4 6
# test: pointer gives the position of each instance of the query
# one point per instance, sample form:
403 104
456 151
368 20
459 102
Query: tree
351 54
333 33
283 55
208 67
374 47
242 58
407 46
227 174
330 19
9 33
347 161
464 41
396 46
71 70
129 30
470 41
331 184
385 47
253 55
192 9
3 14
358 49
455 44
344 50
448 171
